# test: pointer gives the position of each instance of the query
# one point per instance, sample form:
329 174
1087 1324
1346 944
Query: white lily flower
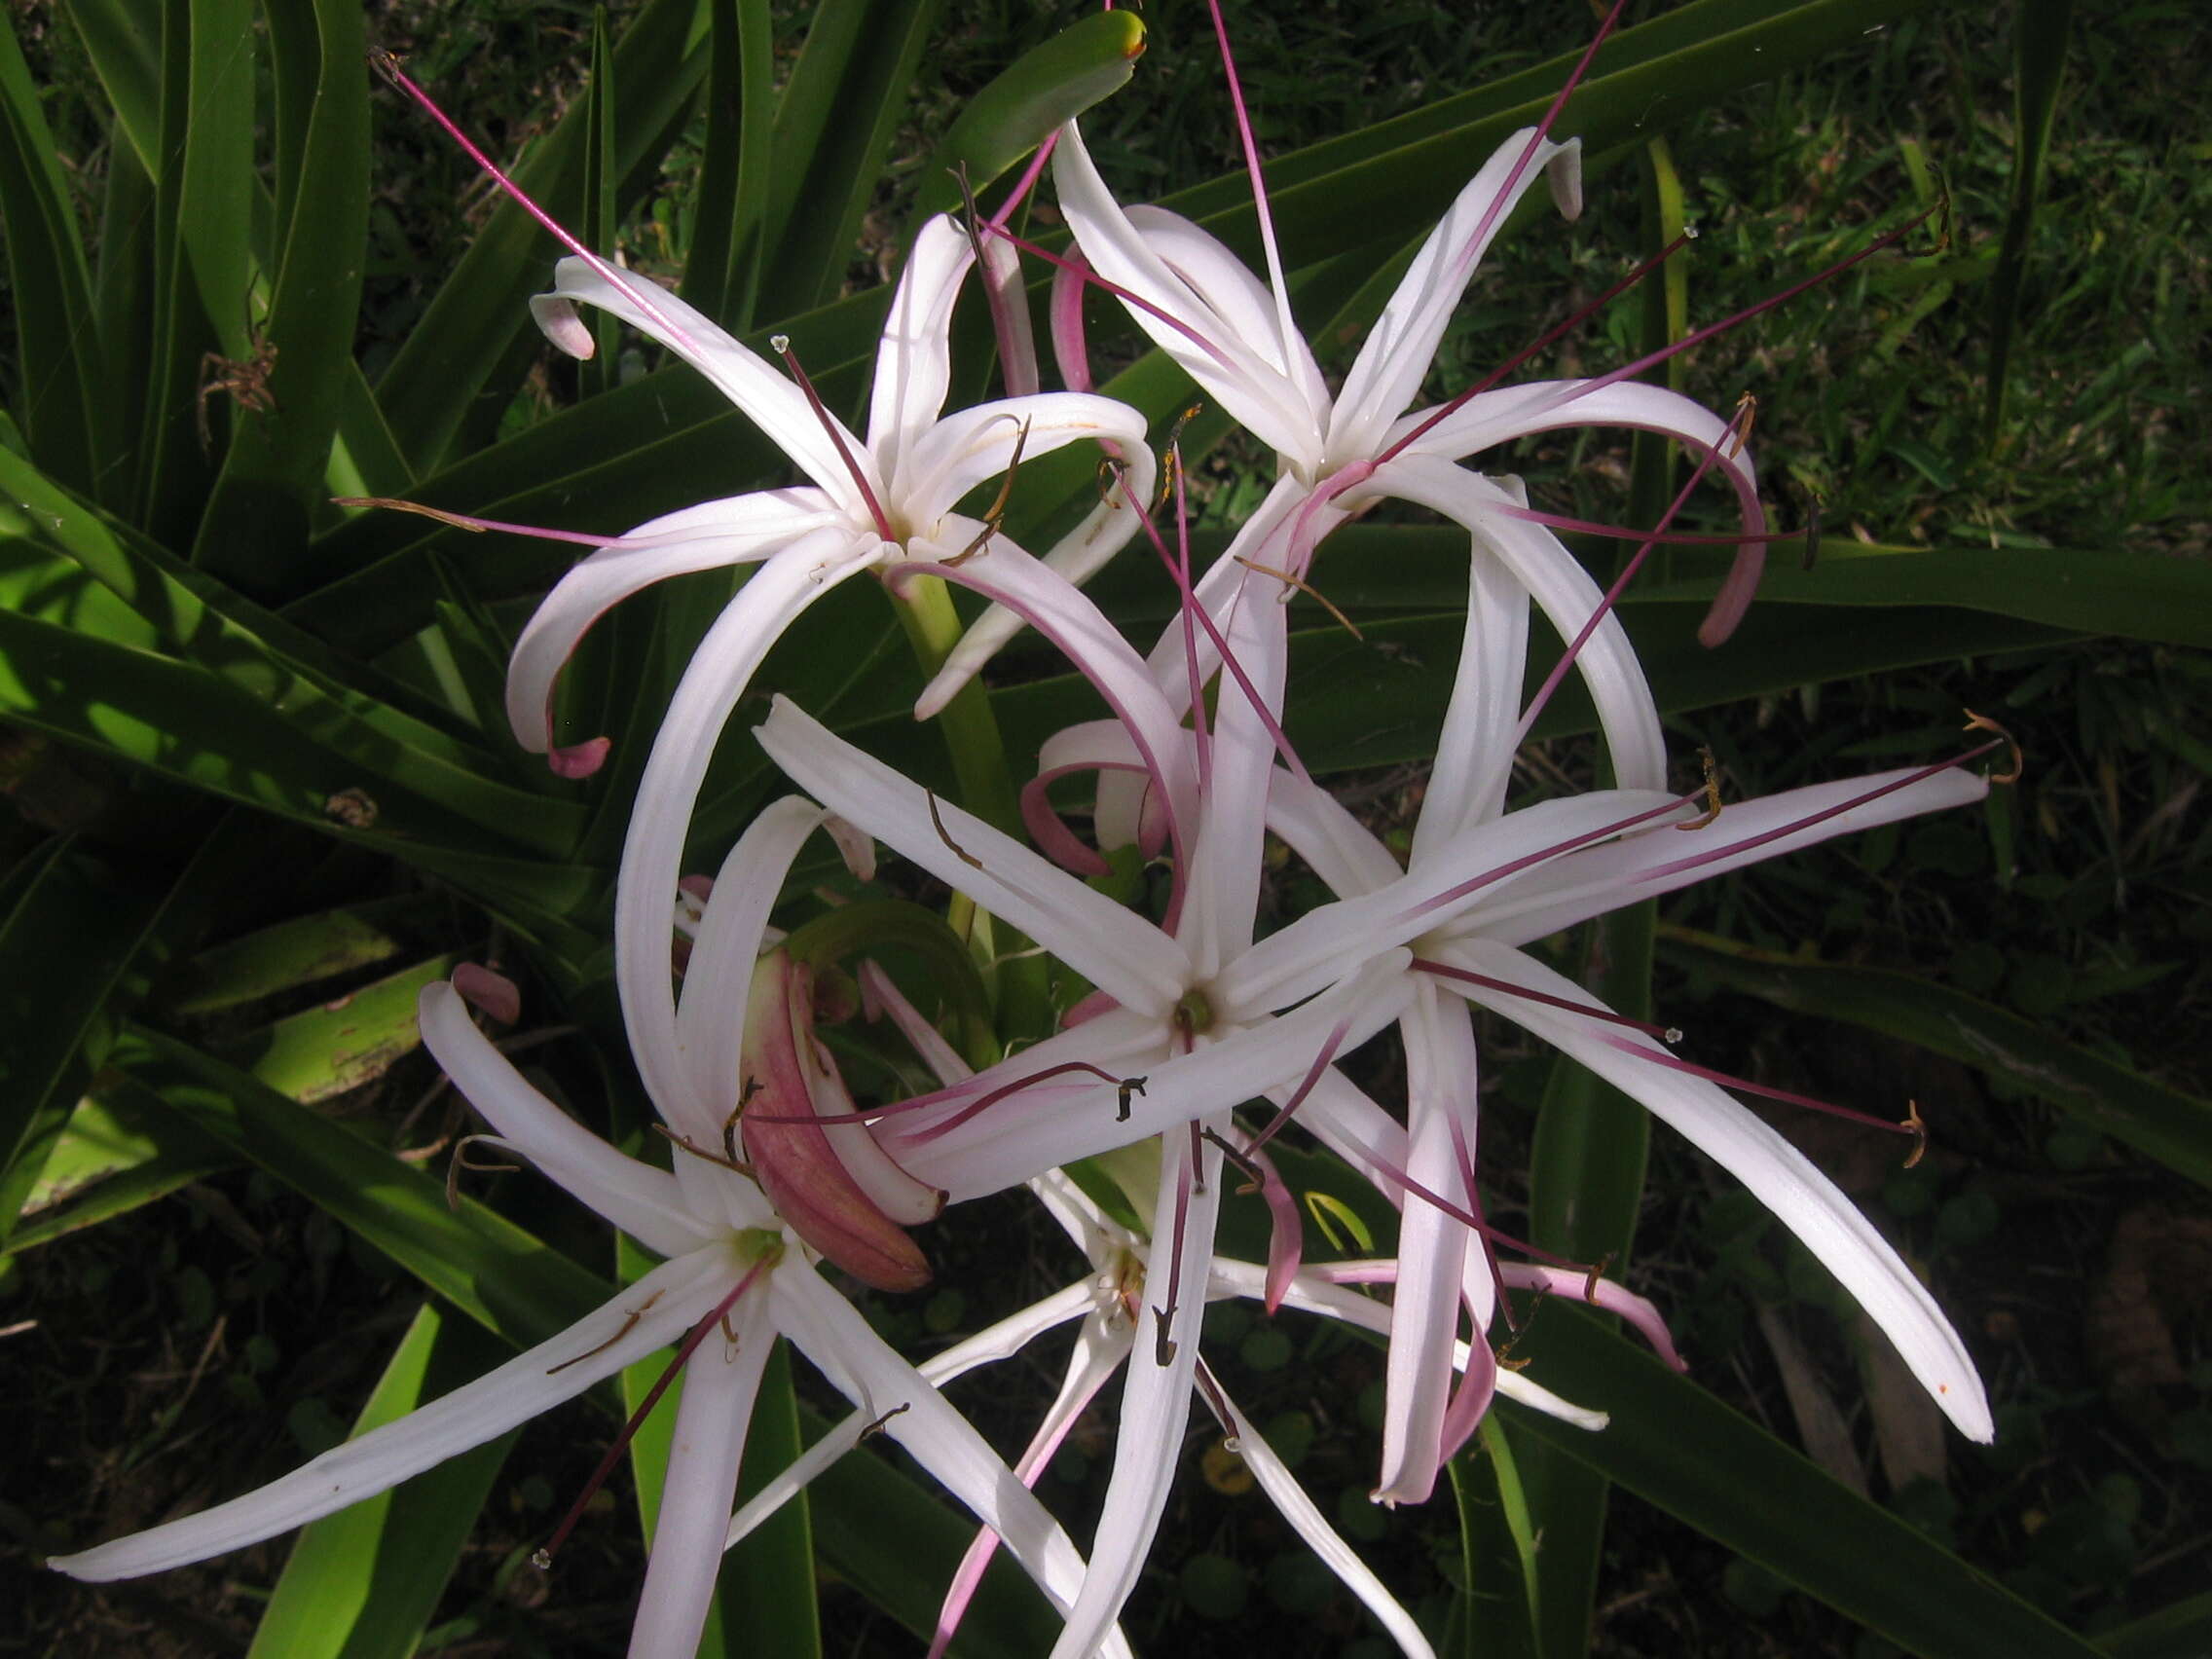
1473 956
1339 455
736 1276
885 504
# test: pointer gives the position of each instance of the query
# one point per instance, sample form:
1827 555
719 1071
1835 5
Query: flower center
1194 1014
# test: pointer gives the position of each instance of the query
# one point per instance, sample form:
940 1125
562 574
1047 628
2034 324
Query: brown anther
937 822
1307 588
393 504
1505 1359
1244 1162
1917 1128
628 1325
996 512
1596 1273
1171 454
1712 792
738 1164
461 1162
1128 1087
1112 469
1746 411
1983 723
876 1428
753 1085
1162 1344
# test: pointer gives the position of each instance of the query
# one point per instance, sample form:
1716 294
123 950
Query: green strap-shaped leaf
2174 1128
76 945
1026 102
464 335
61 368
205 274
107 1163
834 122
722 275
338 1046
1674 1445
362 1583
254 533
124 40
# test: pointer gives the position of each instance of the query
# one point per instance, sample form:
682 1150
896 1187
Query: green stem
1021 981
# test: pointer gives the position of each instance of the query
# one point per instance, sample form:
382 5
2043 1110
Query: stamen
459 1161
1128 1087
1711 790
542 1559
1505 1359
1452 405
1748 409
474 526
1163 1346
1674 1063
387 64
1626 533
1321 1064
1983 723
1189 614
1612 596
876 1428
1079 272
1709 855
996 512
1276 287
1445 970
937 822
628 1325
1307 588
781 345
737 1164
1916 1127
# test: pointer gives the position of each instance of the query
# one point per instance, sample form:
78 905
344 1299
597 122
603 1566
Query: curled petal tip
559 320
580 759
493 993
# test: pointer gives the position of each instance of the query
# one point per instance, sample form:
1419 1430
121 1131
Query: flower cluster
1192 1039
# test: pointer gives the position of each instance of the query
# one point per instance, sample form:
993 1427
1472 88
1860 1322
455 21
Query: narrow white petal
1156 1396
913 361
1216 347
989 1152
645 1203
1556 579
652 855
710 1021
1318 827
854 1358
720 1386
1112 947
1317 948
768 400
1007 575
1305 1520
971 446
1599 879
1000 1341
649 1315
1432 1248
742 529
1498 416
1782 1177
1399 349
1474 753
